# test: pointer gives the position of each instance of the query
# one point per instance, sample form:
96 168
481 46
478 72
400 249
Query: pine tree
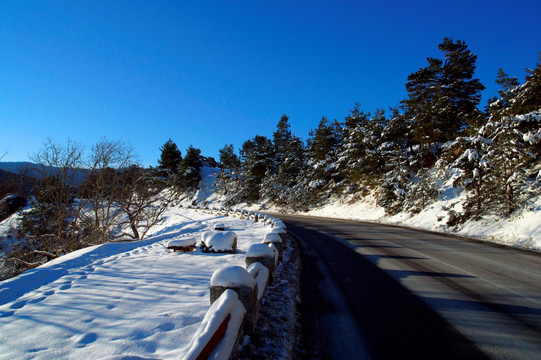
395 181
443 96
528 97
282 138
288 157
228 158
421 192
323 173
510 159
475 175
228 178
360 157
508 92
189 174
256 159
170 158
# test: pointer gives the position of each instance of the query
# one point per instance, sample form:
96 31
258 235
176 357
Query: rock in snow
219 241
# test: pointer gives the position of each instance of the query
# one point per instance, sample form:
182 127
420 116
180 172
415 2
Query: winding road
383 292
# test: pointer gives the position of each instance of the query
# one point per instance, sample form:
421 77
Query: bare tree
48 227
108 160
141 202
117 199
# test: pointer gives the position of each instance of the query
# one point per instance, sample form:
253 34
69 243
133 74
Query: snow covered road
120 299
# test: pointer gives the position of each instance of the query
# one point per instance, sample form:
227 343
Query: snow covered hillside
118 300
522 230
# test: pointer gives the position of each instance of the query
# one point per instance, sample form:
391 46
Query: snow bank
521 230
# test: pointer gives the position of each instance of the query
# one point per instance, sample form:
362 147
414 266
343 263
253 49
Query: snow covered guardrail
219 332
235 294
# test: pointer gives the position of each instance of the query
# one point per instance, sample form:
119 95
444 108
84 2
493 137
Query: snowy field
118 300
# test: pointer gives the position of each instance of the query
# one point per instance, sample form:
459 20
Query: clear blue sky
209 73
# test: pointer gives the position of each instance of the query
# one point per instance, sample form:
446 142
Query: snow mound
219 240
182 242
232 276
259 250
272 237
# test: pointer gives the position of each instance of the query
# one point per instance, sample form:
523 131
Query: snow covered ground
118 300
522 230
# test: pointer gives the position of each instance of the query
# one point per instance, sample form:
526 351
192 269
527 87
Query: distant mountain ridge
14 183
16 167
31 170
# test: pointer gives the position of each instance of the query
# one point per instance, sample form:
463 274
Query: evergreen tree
528 97
508 91
227 180
323 174
189 174
360 158
475 175
288 157
228 158
508 87
510 159
325 140
421 191
170 158
395 181
443 96
256 158
282 138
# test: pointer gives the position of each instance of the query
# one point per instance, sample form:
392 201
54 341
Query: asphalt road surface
381 292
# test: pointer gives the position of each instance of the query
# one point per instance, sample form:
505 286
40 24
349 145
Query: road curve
415 294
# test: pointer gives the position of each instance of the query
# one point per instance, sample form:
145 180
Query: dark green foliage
422 191
227 180
189 173
43 218
325 140
256 156
209 161
443 96
323 173
361 158
528 97
288 161
228 158
395 182
282 138
170 158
